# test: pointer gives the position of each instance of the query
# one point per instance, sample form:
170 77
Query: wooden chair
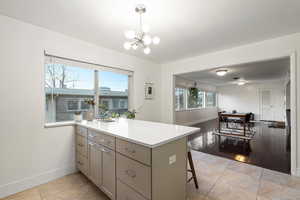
192 170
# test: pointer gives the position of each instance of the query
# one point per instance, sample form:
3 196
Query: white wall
269 49
246 98
29 153
194 116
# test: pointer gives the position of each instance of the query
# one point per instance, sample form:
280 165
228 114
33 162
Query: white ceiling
256 72
186 28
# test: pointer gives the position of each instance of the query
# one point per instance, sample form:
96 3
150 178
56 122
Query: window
196 100
113 90
65 87
180 98
186 99
68 86
211 99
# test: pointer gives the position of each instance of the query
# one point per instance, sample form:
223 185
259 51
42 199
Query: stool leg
192 169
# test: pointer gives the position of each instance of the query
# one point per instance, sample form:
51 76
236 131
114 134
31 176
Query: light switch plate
172 159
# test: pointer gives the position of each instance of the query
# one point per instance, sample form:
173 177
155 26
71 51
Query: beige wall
29 153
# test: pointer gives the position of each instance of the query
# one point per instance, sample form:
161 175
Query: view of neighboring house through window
186 101
67 89
114 90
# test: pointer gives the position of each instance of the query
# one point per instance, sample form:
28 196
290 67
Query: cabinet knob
129 150
131 173
104 150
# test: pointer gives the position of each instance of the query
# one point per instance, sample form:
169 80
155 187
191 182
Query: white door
266 106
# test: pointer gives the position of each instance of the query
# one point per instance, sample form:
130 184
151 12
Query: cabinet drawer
100 138
134 151
126 193
81 145
82 164
94 136
81 131
134 174
107 141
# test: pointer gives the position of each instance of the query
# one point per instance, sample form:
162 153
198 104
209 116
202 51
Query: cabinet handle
130 151
104 150
131 173
81 145
80 163
91 144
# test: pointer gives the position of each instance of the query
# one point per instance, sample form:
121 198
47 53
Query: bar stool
192 170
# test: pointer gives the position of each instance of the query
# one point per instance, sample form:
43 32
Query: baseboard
296 172
197 122
27 183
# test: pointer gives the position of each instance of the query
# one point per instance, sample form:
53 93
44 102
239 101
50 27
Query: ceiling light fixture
241 83
140 38
221 72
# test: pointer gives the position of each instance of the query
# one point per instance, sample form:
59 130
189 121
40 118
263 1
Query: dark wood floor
268 148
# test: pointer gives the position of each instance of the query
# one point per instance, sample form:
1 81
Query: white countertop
146 133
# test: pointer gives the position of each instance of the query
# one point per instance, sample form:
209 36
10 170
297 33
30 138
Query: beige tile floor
219 179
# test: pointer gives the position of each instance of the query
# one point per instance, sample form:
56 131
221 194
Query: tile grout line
260 177
223 174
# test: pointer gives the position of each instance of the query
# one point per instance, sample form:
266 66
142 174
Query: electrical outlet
172 159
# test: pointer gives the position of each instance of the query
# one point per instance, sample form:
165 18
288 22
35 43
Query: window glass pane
180 98
72 104
195 98
210 99
113 92
201 99
84 105
65 87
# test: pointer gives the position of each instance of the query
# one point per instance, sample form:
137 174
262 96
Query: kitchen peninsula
134 159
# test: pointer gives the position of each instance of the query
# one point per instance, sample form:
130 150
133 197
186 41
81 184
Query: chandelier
140 38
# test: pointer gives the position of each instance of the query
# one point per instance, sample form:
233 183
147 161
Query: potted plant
78 116
130 114
90 113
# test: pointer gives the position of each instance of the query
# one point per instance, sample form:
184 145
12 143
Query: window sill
193 109
59 124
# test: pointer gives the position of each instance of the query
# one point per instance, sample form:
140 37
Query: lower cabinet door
108 172
126 193
95 163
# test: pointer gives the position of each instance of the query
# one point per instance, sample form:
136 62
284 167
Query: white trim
59 124
294 116
30 182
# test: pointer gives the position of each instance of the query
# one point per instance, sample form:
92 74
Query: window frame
82 65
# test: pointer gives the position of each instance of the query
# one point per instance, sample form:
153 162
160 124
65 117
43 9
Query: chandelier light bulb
147 50
147 39
130 34
156 40
221 72
145 28
127 45
135 46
